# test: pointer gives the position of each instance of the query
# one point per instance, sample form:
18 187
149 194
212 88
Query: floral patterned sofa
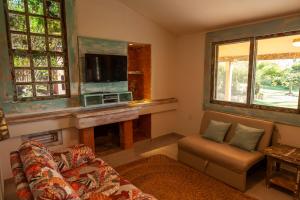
70 174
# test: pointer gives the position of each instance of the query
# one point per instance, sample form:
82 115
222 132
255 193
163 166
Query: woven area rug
167 179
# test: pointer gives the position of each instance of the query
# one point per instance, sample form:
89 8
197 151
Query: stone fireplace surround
86 121
86 118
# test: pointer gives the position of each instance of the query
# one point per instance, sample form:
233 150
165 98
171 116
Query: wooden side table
277 155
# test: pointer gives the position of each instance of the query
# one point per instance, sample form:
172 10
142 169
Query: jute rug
167 179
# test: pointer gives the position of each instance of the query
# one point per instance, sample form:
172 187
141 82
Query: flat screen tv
105 68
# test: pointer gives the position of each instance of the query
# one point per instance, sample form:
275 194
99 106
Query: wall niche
139 70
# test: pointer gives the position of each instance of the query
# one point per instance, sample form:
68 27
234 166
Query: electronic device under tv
105 68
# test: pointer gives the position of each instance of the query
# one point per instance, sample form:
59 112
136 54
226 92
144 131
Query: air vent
50 138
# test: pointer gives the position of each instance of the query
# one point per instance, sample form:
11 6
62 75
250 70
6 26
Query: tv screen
105 68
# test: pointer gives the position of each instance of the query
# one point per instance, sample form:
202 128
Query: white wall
189 78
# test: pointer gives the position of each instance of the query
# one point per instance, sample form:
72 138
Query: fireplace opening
107 139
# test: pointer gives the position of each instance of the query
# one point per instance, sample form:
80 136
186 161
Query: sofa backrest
41 171
234 120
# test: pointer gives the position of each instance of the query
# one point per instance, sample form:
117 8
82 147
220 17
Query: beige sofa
221 160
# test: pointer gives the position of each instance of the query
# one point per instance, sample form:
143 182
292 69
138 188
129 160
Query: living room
199 62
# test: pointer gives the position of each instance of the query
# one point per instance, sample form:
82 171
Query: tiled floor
167 145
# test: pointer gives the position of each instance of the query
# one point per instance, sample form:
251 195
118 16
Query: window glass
232 67
36 47
277 76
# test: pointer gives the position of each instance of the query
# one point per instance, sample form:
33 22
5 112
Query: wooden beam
126 134
273 56
86 136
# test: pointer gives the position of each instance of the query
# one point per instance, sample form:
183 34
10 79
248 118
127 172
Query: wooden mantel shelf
87 119
143 107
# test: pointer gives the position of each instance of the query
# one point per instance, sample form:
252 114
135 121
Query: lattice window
37 48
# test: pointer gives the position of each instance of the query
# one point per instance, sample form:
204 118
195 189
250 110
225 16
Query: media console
105 98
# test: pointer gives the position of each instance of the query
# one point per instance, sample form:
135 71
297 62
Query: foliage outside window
37 48
262 72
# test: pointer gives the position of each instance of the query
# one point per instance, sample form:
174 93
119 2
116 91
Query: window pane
40 61
24 91
21 61
17 22
37 24
38 43
55 44
22 76
277 77
36 7
232 72
59 89
41 75
53 8
57 61
42 90
58 75
54 27
36 35
19 41
16 5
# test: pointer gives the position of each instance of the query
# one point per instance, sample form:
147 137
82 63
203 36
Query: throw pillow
246 137
216 131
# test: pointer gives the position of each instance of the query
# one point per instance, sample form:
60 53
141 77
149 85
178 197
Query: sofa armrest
23 190
71 157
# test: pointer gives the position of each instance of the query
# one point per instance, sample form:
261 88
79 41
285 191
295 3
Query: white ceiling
187 16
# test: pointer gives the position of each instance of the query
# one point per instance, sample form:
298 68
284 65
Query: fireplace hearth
107 139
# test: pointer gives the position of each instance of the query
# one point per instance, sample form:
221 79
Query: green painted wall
100 46
265 28
6 84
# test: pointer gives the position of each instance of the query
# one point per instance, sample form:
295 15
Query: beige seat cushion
223 154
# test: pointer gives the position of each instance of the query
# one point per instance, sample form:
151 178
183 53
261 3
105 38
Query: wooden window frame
30 53
251 74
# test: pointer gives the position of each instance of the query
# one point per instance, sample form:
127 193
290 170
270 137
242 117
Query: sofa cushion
246 137
128 191
44 180
99 196
95 176
223 154
216 131
72 157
